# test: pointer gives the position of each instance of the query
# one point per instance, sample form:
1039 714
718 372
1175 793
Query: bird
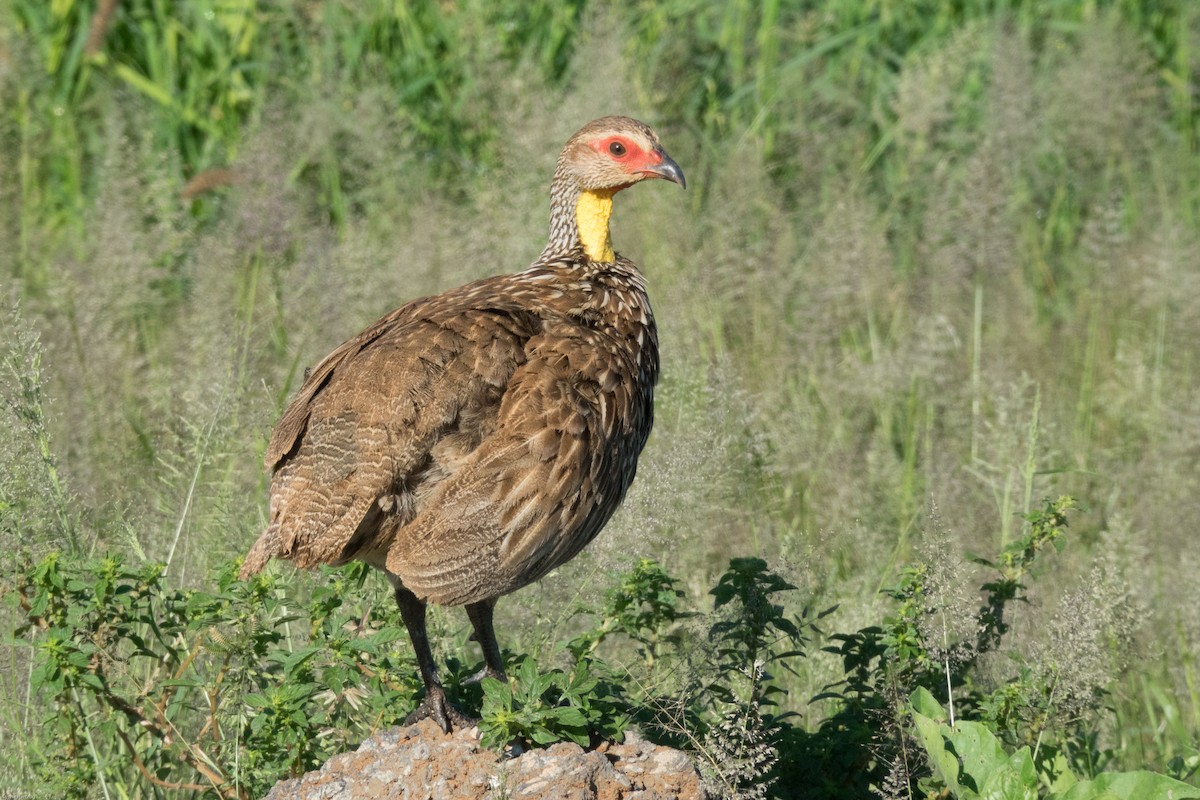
468 443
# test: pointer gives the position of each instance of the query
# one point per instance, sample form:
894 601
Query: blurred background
936 261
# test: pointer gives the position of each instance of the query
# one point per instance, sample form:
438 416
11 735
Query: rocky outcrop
419 762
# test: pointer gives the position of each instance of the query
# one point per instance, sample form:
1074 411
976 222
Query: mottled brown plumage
471 442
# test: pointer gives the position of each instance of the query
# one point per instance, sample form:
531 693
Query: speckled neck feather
564 227
578 221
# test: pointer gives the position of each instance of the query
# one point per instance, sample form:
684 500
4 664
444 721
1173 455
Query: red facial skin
635 160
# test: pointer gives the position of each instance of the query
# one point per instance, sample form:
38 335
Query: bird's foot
486 672
436 707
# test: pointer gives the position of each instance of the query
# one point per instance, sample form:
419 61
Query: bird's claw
436 707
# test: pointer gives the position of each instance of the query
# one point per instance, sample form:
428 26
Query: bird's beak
666 169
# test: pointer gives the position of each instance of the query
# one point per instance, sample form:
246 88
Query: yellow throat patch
591 217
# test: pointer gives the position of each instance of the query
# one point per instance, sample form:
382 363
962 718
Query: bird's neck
579 221
592 212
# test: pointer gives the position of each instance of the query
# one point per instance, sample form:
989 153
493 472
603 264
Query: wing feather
529 498
377 420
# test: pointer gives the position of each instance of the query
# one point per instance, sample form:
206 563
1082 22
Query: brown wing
542 486
381 419
295 418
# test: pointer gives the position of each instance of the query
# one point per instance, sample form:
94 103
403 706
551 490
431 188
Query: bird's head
605 156
612 153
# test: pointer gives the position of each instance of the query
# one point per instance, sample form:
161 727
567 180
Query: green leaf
968 758
581 684
293 661
1060 776
944 763
40 675
497 691
924 703
1139 785
256 700
379 638
1015 780
579 736
570 716
537 687
978 749
543 735
92 680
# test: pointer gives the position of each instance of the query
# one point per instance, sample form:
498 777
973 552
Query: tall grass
935 252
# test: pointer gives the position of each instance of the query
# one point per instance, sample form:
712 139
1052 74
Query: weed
542 708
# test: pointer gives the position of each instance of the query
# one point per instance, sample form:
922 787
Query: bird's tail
263 550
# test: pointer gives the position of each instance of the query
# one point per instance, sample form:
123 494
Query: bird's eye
617 149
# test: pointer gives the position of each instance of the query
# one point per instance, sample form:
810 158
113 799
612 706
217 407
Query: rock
420 762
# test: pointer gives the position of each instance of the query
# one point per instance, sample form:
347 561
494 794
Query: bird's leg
480 615
435 705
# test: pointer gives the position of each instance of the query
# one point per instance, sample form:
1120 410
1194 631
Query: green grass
931 255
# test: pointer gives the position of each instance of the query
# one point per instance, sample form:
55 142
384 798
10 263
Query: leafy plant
726 712
643 606
884 664
968 762
543 708
218 692
195 690
1046 528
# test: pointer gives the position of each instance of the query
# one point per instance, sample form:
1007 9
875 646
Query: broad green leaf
944 763
381 637
568 715
582 684
538 687
924 703
978 749
577 735
527 671
1014 780
92 680
1139 785
542 735
1060 778
256 700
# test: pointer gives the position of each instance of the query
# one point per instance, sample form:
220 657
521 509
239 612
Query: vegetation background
936 261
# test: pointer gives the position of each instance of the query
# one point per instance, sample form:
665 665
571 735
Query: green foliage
974 765
1045 529
206 69
643 607
902 642
968 762
219 692
751 635
737 62
202 690
555 706
884 664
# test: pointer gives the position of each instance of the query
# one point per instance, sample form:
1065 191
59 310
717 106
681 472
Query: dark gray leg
480 615
435 705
